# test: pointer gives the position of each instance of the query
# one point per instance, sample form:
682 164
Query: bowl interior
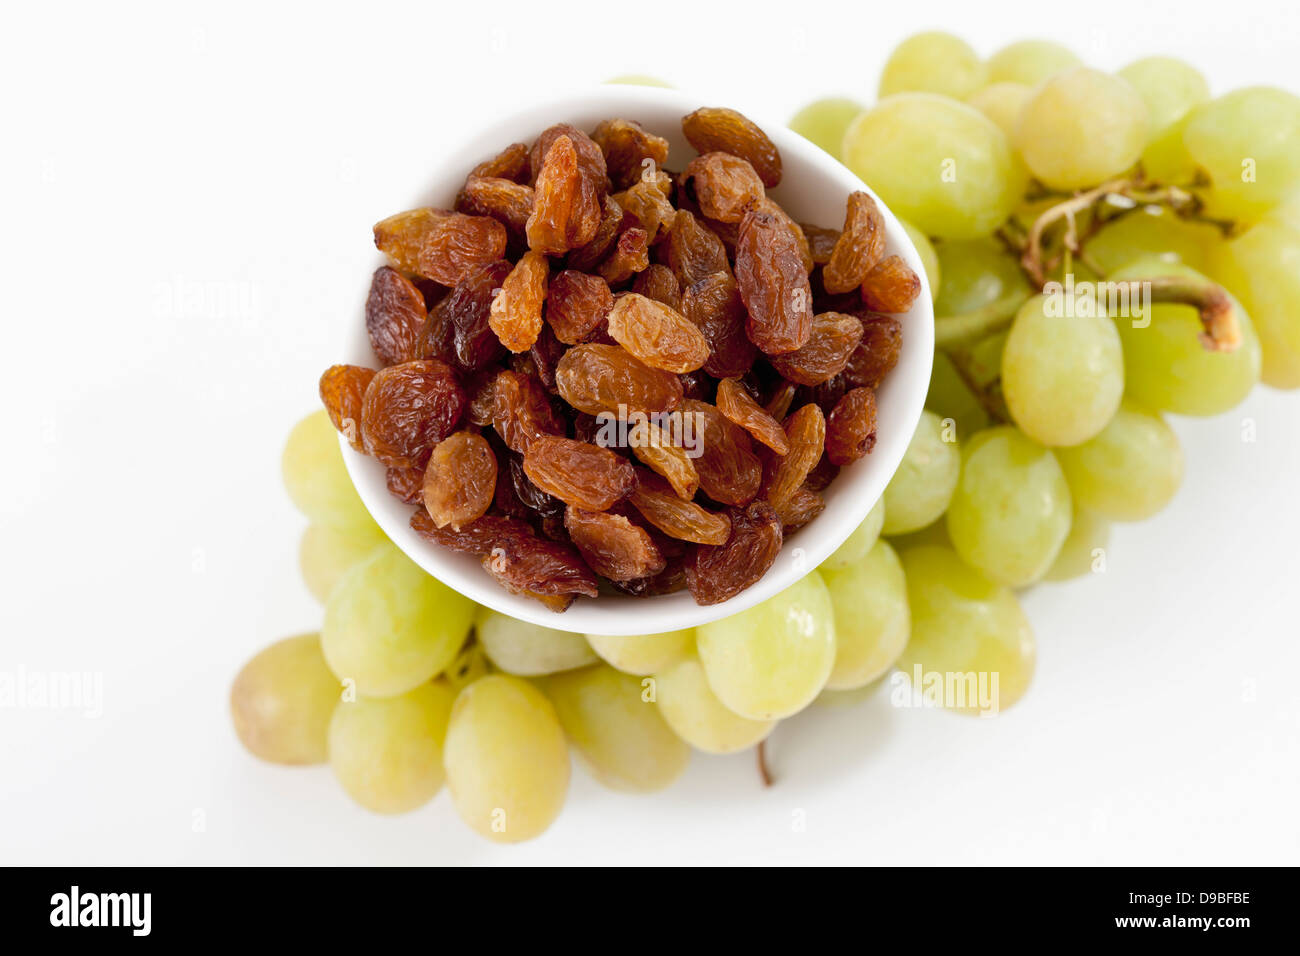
814 188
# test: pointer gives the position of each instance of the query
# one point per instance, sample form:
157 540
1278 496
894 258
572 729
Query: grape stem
1222 332
989 398
952 330
764 774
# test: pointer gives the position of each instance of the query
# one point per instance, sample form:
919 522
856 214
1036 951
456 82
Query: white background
186 203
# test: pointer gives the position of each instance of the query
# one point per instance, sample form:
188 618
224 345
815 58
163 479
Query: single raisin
716 128
821 242
516 312
653 446
528 494
713 304
507 202
891 286
511 163
521 411
575 305
658 335
648 202
674 516
658 282
480 398
717 573
408 409
725 186
860 246
627 146
630 255
796 230
455 245
406 484
851 427
735 402
834 337
537 567
343 392
693 251
805 432
773 284
800 508
401 237
882 341
601 378
730 472
566 206
460 480
395 317
468 310
591 161
579 474
612 545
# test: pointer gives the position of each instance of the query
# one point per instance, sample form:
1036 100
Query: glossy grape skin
1170 88
962 623
770 661
1002 103
1029 62
1262 268
315 477
949 397
859 543
1010 513
925 249
975 273
1062 374
325 554
696 715
390 627
1128 472
942 165
529 650
824 122
281 702
1089 533
1162 234
1165 366
643 654
1259 124
620 736
872 622
387 751
506 759
920 490
1080 128
933 62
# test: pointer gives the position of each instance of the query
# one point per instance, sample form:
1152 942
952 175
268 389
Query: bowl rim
863 483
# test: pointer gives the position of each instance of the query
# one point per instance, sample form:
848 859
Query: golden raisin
612 546
516 312
717 573
834 337
730 473
715 128
460 480
860 246
773 284
871 361
891 286
674 516
342 391
658 282
630 255
600 378
408 409
805 432
566 207
579 474
851 427
659 336
576 304
395 316
735 402
725 185
652 445
627 147
713 304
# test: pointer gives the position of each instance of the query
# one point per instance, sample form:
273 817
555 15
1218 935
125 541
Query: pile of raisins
576 277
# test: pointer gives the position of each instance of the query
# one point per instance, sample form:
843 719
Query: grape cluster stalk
1029 182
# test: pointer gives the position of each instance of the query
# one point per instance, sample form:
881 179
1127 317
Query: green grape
639 79
1165 365
934 534
770 661
643 654
1129 471
325 553
941 164
1170 88
933 62
871 618
314 475
950 397
282 699
965 628
529 650
1145 233
390 627
1002 103
1262 267
856 545
1030 62
506 759
1084 551
620 734
1010 513
921 488
1249 143
696 715
824 122
1080 128
975 274
387 751
924 249
1062 369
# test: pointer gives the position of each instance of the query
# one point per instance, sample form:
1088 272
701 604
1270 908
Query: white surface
814 188
187 199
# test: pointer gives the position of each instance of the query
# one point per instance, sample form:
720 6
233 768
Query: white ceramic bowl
813 188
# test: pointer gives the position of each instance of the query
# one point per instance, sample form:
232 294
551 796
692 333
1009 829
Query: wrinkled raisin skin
521 411
657 334
716 128
460 480
834 337
582 475
730 472
408 409
343 391
891 286
740 408
599 378
717 573
467 310
658 282
805 432
395 316
859 247
406 484
851 427
515 315
667 511
876 356
714 305
725 186
612 545
626 146
773 284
